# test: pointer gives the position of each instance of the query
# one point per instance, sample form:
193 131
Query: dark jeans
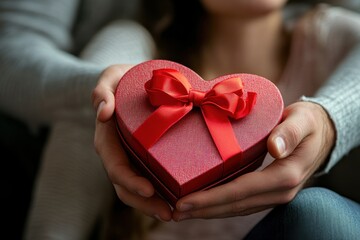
316 213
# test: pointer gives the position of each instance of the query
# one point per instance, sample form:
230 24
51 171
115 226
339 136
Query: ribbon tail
222 133
163 118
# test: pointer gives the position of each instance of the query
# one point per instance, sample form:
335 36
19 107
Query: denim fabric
315 213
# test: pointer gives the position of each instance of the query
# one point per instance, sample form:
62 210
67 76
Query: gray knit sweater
40 39
41 75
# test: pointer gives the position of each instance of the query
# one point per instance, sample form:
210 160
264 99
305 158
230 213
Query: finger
246 212
256 210
106 109
242 207
116 161
103 94
217 212
297 125
153 206
281 175
276 177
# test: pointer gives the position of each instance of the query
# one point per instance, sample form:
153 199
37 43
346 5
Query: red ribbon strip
171 92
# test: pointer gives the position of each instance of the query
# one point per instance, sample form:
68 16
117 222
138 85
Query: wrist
328 132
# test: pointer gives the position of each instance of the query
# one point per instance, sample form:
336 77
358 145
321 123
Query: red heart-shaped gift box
185 158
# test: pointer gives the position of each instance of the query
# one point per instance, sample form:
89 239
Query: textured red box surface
185 159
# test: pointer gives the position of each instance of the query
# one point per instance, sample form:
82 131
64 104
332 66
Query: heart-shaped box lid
185 158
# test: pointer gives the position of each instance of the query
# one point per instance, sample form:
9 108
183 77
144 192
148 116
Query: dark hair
175 26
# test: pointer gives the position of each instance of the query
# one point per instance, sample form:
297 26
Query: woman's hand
300 145
132 189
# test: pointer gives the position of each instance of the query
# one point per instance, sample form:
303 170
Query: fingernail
143 194
280 145
184 217
100 107
185 207
158 218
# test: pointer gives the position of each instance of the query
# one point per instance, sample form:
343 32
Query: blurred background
21 148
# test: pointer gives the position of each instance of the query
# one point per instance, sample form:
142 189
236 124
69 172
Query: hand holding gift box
183 149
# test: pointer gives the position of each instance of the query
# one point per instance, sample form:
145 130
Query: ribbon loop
172 93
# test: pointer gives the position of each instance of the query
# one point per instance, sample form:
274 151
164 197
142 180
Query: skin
249 37
241 8
300 144
133 189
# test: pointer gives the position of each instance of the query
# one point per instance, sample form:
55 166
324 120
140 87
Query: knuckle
237 207
293 133
236 195
309 113
96 90
113 176
120 192
110 69
199 204
115 70
291 179
95 95
309 116
108 72
123 195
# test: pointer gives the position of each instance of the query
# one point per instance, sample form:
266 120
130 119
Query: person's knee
318 213
315 213
315 201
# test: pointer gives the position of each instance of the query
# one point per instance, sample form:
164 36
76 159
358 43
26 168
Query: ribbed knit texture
43 81
72 191
40 76
340 96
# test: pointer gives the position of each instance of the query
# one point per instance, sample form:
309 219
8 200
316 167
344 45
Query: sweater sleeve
38 75
341 93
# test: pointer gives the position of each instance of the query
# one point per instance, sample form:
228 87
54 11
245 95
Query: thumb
105 110
103 95
289 134
104 103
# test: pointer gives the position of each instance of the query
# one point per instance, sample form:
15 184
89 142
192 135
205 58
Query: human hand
132 189
300 145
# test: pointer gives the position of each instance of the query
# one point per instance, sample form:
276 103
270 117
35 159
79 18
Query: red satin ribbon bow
171 92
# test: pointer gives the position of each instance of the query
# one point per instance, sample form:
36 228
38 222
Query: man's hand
300 145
